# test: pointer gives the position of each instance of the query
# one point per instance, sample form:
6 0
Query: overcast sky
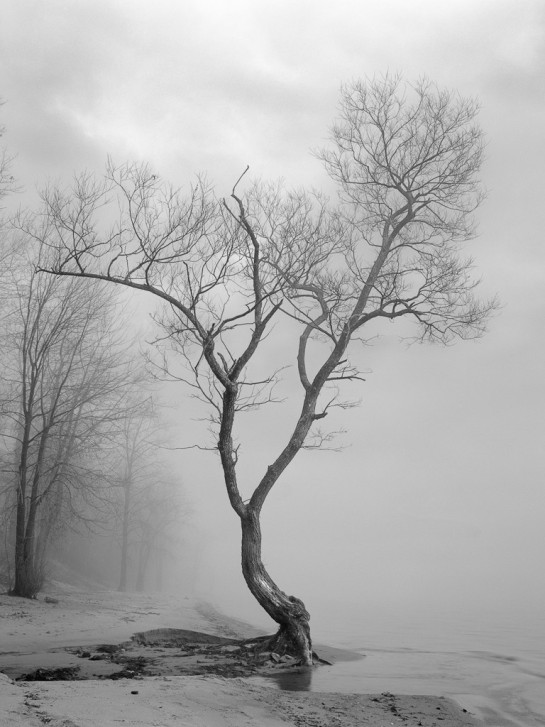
442 483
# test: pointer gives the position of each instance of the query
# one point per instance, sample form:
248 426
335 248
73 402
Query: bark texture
289 612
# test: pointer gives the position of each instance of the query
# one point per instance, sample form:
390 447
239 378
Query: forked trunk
288 612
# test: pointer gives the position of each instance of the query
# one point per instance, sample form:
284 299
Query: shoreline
84 618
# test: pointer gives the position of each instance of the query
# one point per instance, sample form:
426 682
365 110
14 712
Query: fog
436 499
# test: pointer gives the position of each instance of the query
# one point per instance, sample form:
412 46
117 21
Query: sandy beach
69 625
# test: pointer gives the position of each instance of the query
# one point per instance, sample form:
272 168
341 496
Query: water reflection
293 681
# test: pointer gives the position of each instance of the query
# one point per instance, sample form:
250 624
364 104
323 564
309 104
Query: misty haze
271 410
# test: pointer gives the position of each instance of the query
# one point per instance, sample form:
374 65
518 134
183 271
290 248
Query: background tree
7 185
405 159
133 448
157 532
67 380
150 500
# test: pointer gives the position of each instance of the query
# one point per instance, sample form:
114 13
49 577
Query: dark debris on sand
161 652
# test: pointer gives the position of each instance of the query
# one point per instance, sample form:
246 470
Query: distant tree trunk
143 559
159 570
20 555
140 575
125 536
28 571
28 574
289 612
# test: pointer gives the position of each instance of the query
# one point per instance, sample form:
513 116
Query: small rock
134 691
49 599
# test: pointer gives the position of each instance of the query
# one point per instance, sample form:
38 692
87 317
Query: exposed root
282 645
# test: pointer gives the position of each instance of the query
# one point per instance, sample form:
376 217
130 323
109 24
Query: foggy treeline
84 482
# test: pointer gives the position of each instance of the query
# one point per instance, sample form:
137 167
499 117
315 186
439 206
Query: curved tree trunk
289 612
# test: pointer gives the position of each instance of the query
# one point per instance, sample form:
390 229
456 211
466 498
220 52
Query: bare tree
150 501
66 381
405 160
7 185
133 461
158 534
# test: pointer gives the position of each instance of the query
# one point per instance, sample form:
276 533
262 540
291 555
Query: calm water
491 663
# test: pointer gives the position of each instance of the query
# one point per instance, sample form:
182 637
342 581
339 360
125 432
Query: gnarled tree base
281 644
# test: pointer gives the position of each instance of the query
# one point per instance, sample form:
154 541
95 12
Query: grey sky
443 480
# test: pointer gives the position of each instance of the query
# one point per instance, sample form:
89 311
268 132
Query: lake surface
492 663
